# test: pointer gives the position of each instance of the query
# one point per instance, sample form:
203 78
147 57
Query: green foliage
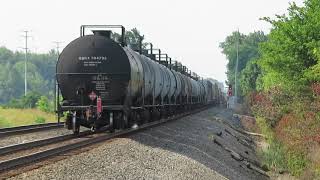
28 101
249 77
248 51
132 38
265 129
11 82
43 104
296 163
40 74
276 156
283 84
290 57
40 120
4 123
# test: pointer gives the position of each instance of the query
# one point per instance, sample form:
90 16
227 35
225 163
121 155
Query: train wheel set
105 83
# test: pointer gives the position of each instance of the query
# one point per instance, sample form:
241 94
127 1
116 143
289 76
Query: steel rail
42 155
39 143
28 129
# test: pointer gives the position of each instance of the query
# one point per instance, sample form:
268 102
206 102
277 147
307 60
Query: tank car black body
106 83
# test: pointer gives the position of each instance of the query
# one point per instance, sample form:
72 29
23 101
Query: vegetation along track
63 144
28 129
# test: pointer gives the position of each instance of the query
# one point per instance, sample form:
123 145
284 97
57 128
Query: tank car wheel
134 119
146 116
124 121
111 124
75 124
155 114
163 113
76 130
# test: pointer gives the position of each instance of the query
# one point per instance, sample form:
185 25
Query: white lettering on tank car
92 61
86 58
101 82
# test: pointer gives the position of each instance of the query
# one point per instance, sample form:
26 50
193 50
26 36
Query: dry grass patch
20 117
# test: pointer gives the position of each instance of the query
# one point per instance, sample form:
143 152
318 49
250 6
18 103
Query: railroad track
28 129
70 142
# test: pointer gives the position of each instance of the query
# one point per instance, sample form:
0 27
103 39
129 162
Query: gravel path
182 149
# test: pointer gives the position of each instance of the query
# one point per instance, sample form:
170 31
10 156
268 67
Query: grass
40 120
276 156
20 117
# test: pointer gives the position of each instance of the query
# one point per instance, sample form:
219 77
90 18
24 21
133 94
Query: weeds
279 156
4 123
296 163
40 120
291 123
274 157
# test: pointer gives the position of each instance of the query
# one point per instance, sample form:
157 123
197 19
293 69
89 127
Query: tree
41 71
132 37
11 83
249 77
248 51
30 100
290 58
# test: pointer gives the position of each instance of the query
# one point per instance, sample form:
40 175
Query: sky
188 31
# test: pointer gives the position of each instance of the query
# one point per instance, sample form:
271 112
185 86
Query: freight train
105 83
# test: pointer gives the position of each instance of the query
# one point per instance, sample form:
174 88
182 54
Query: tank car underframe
115 116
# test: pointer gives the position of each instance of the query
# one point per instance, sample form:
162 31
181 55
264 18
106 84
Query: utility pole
236 70
56 88
57 46
25 62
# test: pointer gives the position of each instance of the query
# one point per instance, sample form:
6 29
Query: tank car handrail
123 30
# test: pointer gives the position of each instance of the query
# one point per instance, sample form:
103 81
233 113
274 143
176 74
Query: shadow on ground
193 137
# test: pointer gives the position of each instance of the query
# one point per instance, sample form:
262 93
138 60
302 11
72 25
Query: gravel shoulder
182 149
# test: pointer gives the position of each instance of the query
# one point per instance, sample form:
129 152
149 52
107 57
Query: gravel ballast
182 149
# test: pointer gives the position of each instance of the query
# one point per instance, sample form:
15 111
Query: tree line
280 83
40 75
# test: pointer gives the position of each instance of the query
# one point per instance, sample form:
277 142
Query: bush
270 105
28 101
40 120
15 103
43 104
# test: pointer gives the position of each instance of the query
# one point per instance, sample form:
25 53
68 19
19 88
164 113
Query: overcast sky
189 31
